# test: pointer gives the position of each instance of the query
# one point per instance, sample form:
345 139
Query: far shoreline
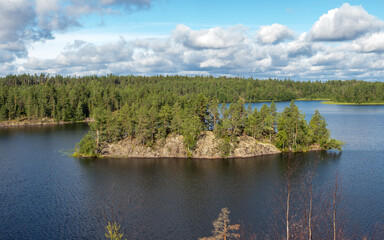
19 123
352 104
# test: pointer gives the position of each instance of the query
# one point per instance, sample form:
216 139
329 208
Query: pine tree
177 119
191 128
213 113
238 116
126 115
254 127
292 129
165 116
223 228
318 129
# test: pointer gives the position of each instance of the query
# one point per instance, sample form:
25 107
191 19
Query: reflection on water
46 194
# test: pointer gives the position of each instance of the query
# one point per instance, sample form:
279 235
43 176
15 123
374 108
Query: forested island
203 128
178 116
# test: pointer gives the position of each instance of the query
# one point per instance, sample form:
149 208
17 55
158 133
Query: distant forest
76 98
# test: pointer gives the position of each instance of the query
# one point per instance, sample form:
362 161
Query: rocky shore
174 147
25 122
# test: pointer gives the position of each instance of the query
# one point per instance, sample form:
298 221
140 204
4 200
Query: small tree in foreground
223 229
112 231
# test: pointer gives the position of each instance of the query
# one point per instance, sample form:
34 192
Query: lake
47 194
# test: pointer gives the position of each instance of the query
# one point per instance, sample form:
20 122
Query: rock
131 148
207 146
174 147
249 147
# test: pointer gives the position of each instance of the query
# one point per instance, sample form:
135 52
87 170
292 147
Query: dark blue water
47 194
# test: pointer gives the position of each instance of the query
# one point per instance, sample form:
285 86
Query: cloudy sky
301 39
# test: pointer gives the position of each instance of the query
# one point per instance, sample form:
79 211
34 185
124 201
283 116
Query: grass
346 103
313 99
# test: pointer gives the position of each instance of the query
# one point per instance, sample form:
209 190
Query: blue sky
303 40
298 14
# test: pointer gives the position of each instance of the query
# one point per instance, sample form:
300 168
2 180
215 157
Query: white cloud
43 6
81 7
216 51
52 17
84 56
274 33
15 18
275 51
24 22
302 47
371 43
344 23
209 38
334 58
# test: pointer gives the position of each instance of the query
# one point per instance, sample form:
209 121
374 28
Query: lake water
47 194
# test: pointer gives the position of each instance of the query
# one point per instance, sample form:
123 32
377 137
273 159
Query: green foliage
151 122
333 144
191 128
165 117
76 98
318 129
87 145
102 118
224 146
237 116
292 130
254 124
151 108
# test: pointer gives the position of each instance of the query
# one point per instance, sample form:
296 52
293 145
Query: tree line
76 98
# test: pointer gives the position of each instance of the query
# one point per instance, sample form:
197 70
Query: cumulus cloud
371 43
209 38
274 33
51 17
81 7
15 16
88 56
62 14
344 23
333 58
25 21
274 51
216 50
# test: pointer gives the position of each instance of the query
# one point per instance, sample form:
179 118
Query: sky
300 40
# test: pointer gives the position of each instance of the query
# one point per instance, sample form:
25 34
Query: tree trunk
287 216
97 138
334 215
310 215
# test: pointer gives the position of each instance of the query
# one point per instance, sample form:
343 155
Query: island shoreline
193 158
174 148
